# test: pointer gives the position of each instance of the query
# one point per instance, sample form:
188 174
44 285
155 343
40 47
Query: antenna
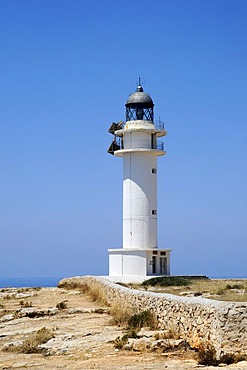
140 82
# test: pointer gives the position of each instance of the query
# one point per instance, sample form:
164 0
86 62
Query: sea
49 282
34 282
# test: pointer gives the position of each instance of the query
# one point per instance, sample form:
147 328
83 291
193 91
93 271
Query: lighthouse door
163 265
154 264
153 141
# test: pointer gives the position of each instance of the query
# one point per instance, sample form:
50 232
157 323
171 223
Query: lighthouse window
154 212
154 170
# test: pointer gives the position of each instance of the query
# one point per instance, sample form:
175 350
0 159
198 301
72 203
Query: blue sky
66 69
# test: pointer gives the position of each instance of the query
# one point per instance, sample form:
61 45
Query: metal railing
160 125
159 145
140 144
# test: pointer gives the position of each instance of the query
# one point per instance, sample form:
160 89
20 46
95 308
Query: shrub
228 359
197 294
207 355
231 358
7 297
167 281
220 291
62 305
234 286
143 318
31 344
25 303
120 342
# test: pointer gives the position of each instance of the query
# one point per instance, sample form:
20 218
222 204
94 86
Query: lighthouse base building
134 266
136 141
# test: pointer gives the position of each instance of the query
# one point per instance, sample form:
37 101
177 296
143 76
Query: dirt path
82 334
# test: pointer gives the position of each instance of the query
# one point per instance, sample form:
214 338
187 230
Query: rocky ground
80 335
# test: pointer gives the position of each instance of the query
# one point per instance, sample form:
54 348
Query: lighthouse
137 141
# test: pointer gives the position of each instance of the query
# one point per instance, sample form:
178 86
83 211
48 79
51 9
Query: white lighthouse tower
136 141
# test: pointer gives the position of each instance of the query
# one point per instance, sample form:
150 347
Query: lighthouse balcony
141 144
122 147
152 143
156 127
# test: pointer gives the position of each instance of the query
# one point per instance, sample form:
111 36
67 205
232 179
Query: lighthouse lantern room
136 141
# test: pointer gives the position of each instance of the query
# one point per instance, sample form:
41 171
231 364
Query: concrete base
137 265
131 279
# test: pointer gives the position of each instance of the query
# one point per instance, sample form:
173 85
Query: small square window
154 170
154 212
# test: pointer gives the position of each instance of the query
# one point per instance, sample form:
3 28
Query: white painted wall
139 199
115 264
134 263
127 263
137 140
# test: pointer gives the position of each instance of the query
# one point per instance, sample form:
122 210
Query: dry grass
120 342
25 303
207 356
97 294
121 313
171 333
143 318
7 297
32 343
224 290
69 284
219 289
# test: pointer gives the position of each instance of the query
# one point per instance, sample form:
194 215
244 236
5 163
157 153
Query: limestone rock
24 295
148 333
36 312
6 318
8 346
141 345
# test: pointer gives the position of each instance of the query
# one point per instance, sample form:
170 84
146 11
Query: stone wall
198 320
